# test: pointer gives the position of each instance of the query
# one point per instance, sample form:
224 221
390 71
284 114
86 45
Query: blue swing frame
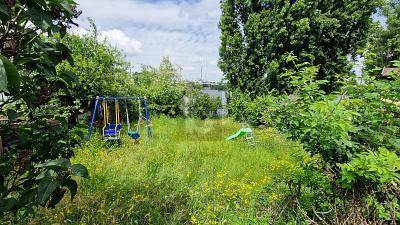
112 130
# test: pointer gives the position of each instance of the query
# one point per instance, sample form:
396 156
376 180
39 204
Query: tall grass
189 174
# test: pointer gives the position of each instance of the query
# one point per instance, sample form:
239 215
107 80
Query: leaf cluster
258 36
38 104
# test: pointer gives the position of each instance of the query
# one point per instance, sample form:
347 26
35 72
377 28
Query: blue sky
146 30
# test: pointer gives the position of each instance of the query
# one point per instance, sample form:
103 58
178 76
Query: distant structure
212 85
179 69
203 73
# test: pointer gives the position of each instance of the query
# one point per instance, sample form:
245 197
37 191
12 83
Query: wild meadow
188 174
318 82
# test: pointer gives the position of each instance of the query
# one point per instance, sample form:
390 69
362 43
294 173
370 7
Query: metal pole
147 119
121 98
93 116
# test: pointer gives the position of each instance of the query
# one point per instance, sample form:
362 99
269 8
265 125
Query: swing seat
112 130
134 135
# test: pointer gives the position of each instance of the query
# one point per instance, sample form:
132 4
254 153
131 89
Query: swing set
112 131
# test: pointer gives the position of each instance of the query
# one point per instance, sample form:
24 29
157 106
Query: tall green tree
35 141
258 35
384 42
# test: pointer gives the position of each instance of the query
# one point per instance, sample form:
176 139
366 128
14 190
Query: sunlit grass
189 174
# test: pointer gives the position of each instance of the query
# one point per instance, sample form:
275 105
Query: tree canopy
384 42
258 36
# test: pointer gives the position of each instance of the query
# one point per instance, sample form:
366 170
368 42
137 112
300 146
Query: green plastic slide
242 132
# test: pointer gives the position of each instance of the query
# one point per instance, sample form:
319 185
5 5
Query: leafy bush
371 168
374 176
325 128
377 101
363 117
36 142
101 69
200 104
162 87
243 108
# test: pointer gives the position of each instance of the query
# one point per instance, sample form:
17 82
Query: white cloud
118 39
161 13
115 38
187 31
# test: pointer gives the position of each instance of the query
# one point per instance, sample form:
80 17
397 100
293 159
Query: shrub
378 103
364 116
245 109
371 169
325 128
36 142
373 178
201 105
162 87
346 130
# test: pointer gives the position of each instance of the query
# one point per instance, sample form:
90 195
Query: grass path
188 175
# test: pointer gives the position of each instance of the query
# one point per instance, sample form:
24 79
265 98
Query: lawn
188 175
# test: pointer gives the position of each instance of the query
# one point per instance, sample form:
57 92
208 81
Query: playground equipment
112 131
134 134
244 132
240 133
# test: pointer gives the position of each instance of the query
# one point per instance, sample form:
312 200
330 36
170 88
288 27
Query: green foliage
189 175
10 79
257 37
302 79
384 42
101 69
371 168
162 87
375 176
347 128
245 109
365 116
325 128
200 104
377 101
38 105
322 123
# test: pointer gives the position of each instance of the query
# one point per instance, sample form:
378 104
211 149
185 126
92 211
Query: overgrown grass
188 175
